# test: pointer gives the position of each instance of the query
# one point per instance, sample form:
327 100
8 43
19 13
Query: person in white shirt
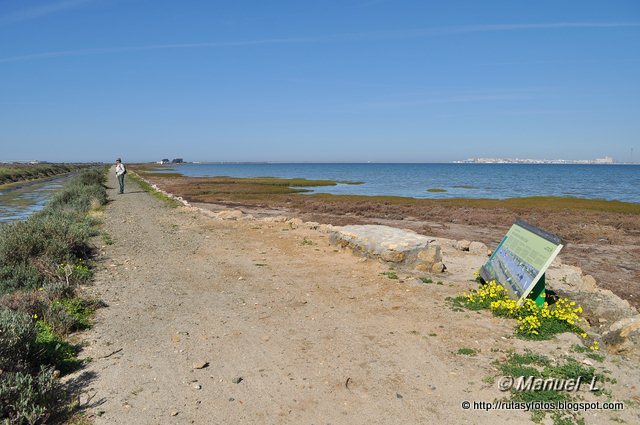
120 172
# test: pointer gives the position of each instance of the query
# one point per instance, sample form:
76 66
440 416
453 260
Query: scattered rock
174 413
200 365
196 386
229 214
478 248
327 228
294 223
597 304
438 268
237 379
463 245
398 396
623 336
431 255
589 283
275 219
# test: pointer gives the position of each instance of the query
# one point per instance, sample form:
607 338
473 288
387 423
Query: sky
321 81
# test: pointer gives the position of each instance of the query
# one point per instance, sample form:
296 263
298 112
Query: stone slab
400 246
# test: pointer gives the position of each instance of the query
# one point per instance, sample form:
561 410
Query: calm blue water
613 182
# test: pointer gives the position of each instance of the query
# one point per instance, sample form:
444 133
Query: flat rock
229 214
600 306
403 247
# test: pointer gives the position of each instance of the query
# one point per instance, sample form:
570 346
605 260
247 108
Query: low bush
27 398
19 276
17 341
42 260
37 250
84 192
32 303
52 350
534 322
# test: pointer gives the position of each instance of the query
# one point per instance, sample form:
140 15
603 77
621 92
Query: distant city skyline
334 81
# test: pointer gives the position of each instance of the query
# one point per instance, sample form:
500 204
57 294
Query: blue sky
348 80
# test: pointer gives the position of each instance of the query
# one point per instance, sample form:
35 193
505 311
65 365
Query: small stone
398 396
438 268
587 362
237 380
478 248
196 386
231 399
200 365
241 278
174 413
463 245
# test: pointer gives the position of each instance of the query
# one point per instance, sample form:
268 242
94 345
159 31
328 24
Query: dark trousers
121 182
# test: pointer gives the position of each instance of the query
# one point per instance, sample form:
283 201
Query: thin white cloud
40 11
329 38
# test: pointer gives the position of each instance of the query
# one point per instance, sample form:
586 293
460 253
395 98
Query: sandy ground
317 336
604 243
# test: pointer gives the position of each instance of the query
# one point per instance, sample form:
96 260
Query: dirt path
317 336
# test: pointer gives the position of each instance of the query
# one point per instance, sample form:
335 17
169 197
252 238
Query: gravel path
222 322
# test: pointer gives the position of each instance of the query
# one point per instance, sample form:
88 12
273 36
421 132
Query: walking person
120 172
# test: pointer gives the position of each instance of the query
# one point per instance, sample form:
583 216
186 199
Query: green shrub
83 192
42 259
17 340
54 351
57 290
29 399
70 315
20 276
31 303
54 236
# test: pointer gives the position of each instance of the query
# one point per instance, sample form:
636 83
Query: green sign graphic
521 259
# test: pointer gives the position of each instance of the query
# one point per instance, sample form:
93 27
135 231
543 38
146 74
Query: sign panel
521 258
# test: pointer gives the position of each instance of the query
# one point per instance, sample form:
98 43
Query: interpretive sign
519 262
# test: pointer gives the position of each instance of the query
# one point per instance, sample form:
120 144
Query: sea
439 181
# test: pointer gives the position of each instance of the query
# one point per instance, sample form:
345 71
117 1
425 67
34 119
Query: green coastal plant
391 274
533 322
466 351
42 261
538 366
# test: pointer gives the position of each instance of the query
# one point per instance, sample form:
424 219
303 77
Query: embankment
13 173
